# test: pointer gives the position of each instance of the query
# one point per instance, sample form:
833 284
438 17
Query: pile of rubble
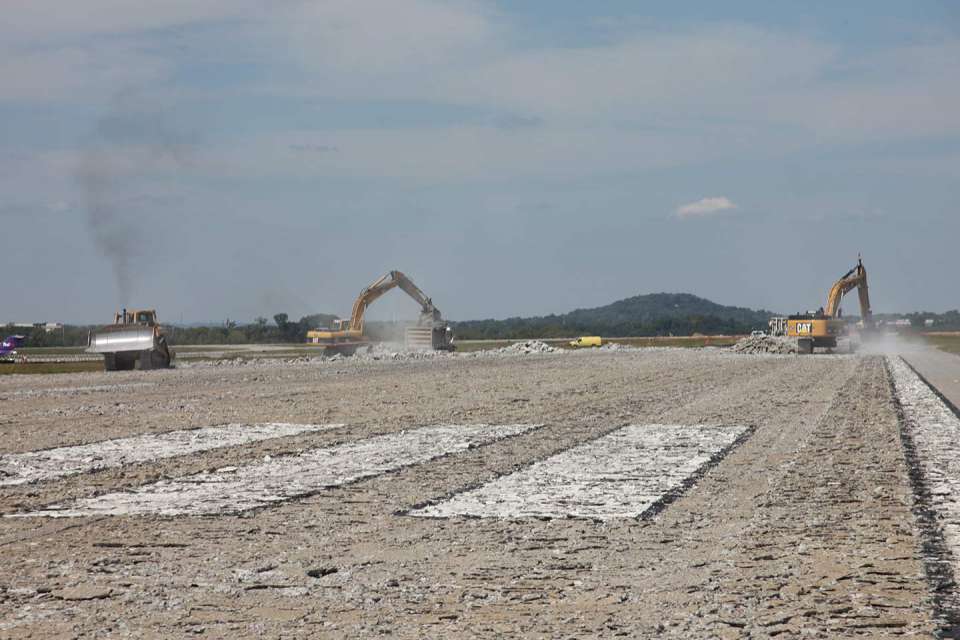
389 351
240 361
526 348
765 344
616 346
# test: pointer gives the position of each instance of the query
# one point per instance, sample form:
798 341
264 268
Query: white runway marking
288 477
935 432
36 466
620 475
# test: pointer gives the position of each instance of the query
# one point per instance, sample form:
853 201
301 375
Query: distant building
49 327
928 322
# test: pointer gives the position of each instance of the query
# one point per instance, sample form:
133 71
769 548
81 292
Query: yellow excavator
821 328
345 336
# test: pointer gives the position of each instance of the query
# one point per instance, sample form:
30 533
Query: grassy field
947 341
217 352
49 367
51 351
679 341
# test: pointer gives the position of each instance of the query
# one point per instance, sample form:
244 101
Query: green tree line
517 328
260 331
284 330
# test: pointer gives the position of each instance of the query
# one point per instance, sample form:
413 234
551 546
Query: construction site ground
478 496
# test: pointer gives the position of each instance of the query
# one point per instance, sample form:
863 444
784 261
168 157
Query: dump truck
587 341
346 335
821 328
135 340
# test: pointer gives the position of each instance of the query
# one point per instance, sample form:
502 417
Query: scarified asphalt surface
807 528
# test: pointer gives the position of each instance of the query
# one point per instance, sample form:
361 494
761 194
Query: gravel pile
257 362
765 344
380 352
528 347
387 351
616 346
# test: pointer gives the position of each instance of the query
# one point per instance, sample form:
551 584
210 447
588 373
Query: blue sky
236 158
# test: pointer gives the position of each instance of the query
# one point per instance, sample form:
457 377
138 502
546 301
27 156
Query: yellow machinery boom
856 277
821 328
347 335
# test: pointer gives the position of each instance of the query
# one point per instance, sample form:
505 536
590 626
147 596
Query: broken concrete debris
528 347
765 344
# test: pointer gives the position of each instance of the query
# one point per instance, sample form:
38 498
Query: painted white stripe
288 477
620 475
36 466
935 431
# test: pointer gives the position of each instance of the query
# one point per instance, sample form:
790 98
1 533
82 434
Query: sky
223 159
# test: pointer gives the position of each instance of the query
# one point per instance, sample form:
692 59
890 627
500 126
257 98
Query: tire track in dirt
832 547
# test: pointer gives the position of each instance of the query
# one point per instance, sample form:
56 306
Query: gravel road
786 505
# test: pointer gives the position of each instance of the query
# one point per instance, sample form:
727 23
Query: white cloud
458 153
385 36
76 73
705 207
758 79
644 97
37 22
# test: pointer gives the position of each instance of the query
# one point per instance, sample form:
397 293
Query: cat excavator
345 336
821 328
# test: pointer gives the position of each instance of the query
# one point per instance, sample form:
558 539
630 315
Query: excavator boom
855 278
347 336
382 286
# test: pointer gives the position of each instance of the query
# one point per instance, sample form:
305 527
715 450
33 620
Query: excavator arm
428 312
855 278
382 286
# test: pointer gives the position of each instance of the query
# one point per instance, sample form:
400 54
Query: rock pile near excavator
528 347
765 344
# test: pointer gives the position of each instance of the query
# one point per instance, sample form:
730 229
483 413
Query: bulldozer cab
146 317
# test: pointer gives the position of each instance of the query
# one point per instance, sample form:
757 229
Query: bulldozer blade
131 339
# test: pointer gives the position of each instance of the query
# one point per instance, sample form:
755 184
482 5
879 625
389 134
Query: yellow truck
586 341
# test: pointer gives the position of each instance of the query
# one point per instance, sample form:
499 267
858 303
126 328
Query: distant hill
655 314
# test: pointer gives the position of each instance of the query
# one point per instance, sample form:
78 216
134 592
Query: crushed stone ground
805 529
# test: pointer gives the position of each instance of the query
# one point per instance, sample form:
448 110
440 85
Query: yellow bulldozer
135 340
345 336
821 328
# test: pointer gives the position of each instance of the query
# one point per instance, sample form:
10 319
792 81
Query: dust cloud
891 344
